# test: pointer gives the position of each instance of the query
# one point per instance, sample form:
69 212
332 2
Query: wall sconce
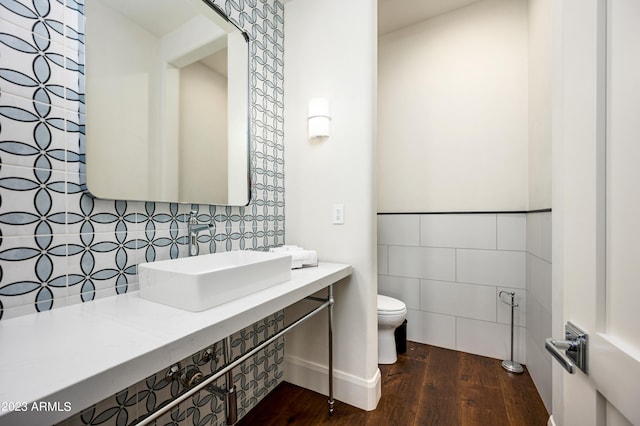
319 119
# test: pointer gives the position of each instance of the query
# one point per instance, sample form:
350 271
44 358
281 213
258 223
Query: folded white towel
299 257
285 248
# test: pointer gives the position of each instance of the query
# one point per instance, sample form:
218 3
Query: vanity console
98 348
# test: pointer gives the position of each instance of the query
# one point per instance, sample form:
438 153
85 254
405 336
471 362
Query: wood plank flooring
427 386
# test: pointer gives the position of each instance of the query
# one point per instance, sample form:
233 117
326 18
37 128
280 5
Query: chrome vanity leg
330 350
231 401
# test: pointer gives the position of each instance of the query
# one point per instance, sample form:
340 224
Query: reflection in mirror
166 102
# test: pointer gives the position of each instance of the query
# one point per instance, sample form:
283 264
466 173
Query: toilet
391 314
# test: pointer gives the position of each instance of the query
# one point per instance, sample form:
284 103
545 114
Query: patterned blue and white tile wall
58 244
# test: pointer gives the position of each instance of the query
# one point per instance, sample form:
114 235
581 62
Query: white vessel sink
202 282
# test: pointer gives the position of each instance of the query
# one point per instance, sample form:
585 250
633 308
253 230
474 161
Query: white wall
203 134
539 104
453 111
449 101
132 69
449 270
539 269
330 51
238 110
539 362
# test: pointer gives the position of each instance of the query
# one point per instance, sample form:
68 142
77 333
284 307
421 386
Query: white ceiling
157 17
392 14
395 14
162 17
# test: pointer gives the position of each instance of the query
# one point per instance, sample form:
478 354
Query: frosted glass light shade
319 118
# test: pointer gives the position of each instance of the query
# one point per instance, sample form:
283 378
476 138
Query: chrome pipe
231 399
512 321
232 405
214 376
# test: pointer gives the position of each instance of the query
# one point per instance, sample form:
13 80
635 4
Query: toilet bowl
391 314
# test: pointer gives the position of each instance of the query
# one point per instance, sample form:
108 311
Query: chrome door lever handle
571 352
563 344
554 349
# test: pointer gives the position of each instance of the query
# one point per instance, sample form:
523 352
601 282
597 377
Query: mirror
167 119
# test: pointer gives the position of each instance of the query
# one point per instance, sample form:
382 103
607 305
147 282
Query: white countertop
83 353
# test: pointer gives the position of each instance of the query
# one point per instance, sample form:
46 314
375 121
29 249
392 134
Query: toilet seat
390 306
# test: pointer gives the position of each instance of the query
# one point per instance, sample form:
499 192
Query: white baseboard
347 388
551 422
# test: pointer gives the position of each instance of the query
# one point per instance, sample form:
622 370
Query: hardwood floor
427 386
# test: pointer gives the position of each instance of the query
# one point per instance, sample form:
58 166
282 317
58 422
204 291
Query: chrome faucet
193 230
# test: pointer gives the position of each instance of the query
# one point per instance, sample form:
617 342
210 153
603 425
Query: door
596 204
